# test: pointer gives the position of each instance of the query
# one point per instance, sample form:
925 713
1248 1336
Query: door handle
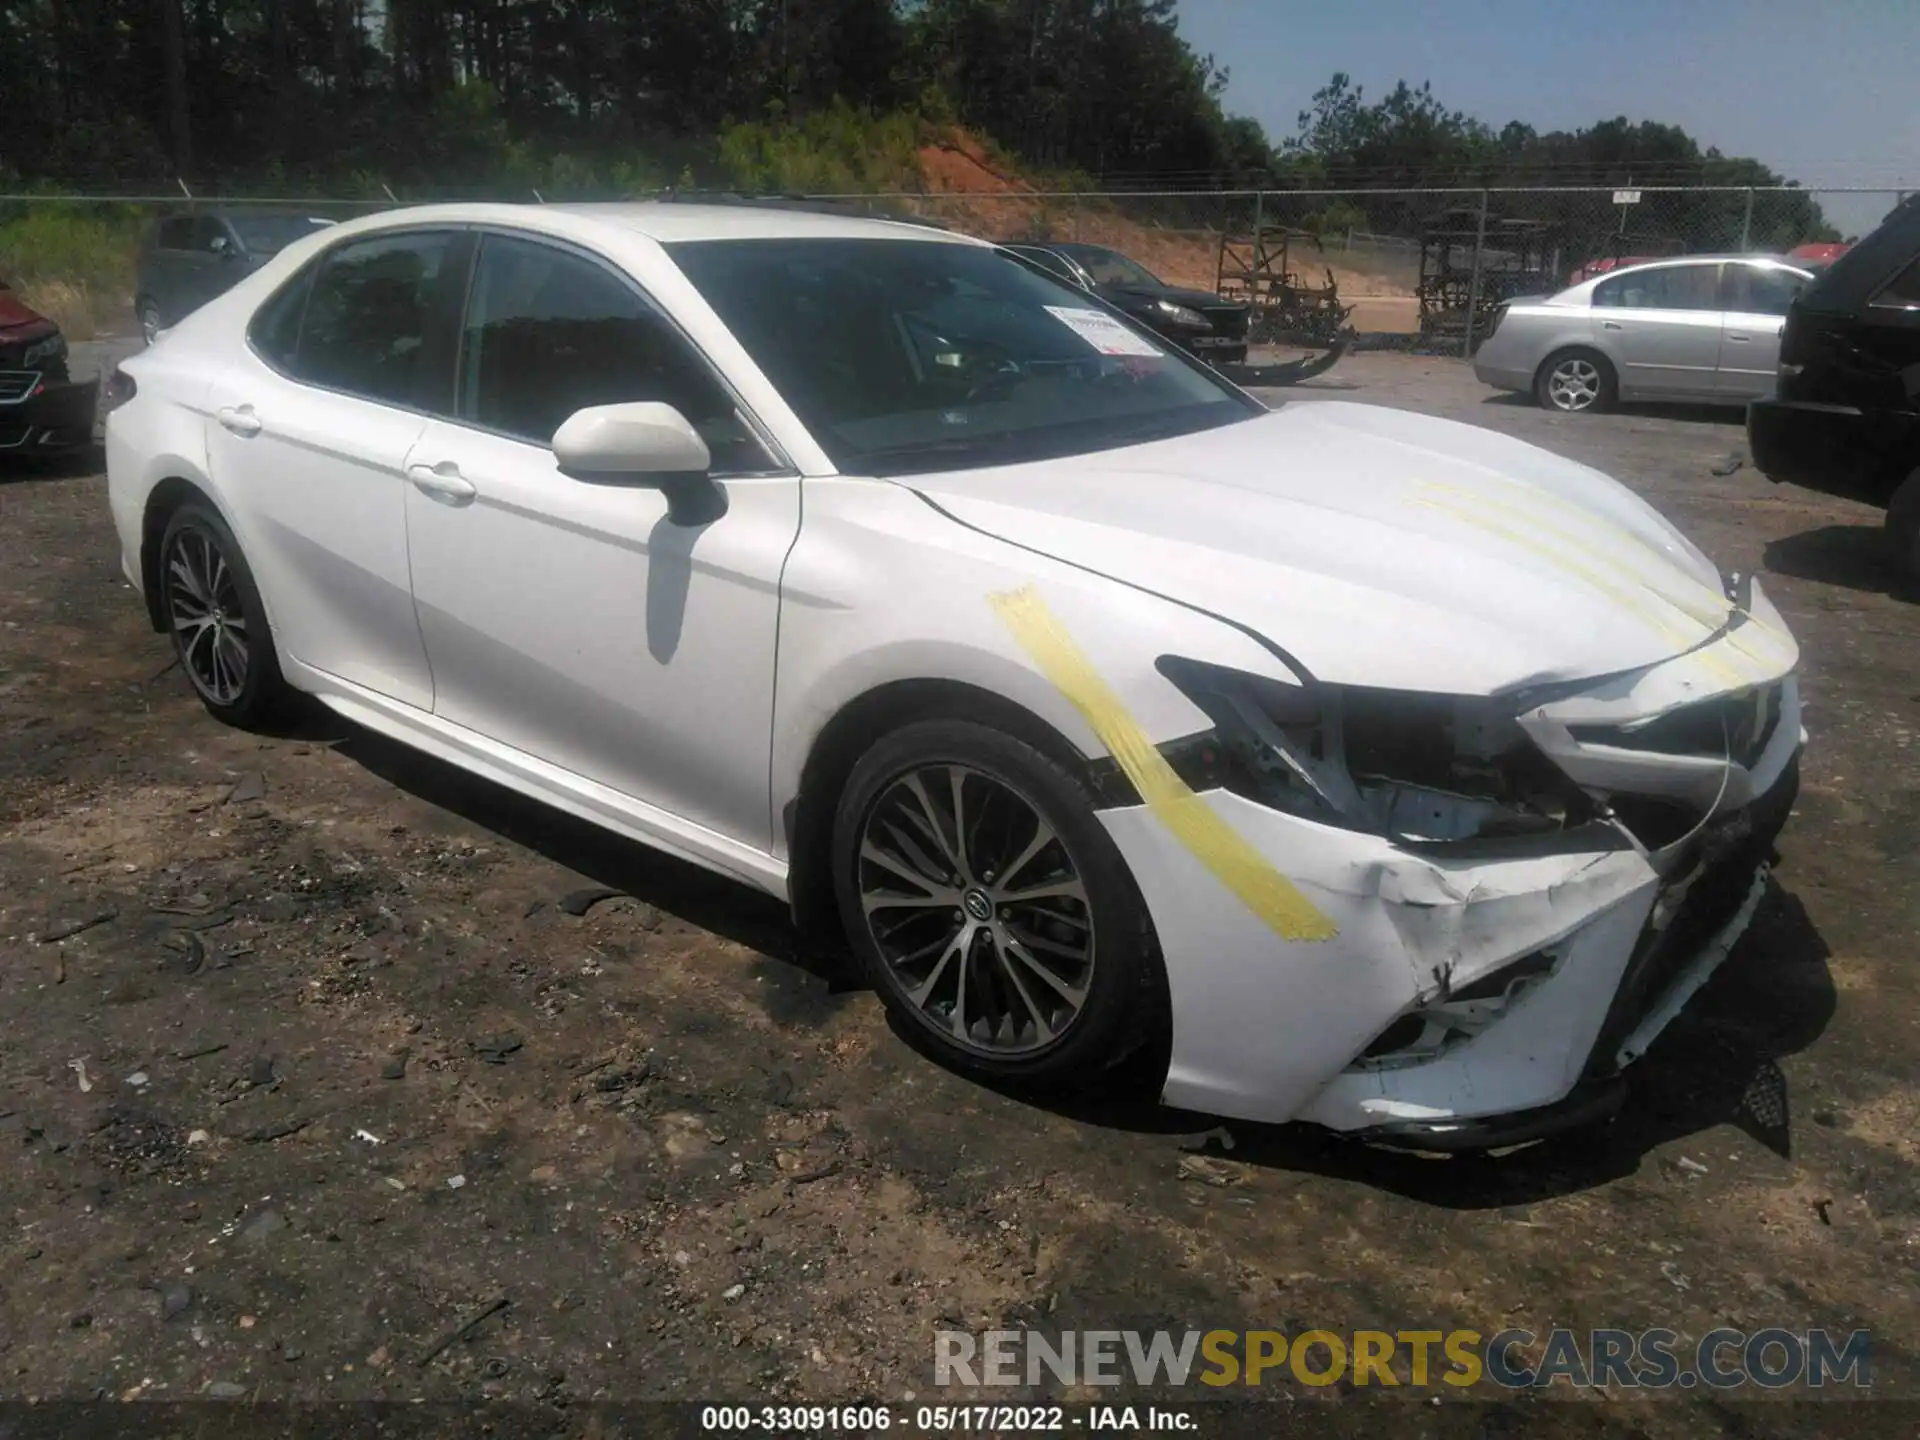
443 481
240 419
1739 339
1611 325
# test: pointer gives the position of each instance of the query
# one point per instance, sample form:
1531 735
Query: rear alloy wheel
990 909
1575 382
219 627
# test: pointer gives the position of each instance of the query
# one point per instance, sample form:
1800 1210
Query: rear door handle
1739 339
443 482
1611 325
240 419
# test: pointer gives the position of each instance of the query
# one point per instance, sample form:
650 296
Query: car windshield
266 234
1110 267
913 355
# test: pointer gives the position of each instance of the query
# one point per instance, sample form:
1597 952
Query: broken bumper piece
1478 994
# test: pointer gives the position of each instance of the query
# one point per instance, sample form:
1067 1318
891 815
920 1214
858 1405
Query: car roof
672 221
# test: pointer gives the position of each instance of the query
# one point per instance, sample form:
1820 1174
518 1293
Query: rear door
1756 294
1661 326
309 443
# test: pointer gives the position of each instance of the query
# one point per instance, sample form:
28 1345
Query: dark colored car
1213 329
188 259
42 411
1846 416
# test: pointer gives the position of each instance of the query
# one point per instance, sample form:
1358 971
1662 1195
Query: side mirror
643 442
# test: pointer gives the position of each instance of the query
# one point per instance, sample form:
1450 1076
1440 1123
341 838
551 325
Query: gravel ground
327 1063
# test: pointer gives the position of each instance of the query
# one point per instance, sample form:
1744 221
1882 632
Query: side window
1761 289
275 328
366 319
1049 262
1672 287
1903 291
176 234
207 230
548 333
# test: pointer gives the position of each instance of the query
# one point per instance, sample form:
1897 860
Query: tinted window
548 333
903 355
176 234
366 320
1761 289
1110 267
1671 287
207 231
275 330
1903 291
1047 261
266 234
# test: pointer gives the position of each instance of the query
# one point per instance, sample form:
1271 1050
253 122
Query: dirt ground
325 1064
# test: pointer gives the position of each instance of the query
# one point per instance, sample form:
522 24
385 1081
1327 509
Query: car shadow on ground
69 465
1729 417
1855 557
1717 1064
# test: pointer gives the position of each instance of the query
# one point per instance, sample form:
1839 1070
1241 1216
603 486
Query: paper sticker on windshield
1103 332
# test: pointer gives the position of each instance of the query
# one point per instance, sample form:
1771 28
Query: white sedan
1378 771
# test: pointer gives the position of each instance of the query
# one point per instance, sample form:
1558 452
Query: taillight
117 389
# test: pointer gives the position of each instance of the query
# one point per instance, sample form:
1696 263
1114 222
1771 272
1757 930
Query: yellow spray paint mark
1195 824
1709 607
1675 634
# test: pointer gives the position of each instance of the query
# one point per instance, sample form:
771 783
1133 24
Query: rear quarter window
1903 291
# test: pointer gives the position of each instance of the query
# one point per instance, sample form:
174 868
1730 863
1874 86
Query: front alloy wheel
978 909
990 909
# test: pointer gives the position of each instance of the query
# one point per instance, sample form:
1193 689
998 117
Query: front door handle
240 419
443 482
1738 339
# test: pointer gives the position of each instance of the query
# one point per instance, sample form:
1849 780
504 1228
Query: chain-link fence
1413 267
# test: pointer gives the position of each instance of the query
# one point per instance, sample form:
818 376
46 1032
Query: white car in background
1704 329
1384 772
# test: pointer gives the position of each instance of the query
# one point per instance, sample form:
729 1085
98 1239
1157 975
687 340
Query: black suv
1845 418
189 259
1208 327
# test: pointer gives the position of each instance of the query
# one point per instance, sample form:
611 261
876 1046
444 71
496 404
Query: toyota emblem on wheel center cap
979 906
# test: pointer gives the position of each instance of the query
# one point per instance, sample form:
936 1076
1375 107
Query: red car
42 411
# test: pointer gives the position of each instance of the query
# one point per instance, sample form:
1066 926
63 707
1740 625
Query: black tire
1903 526
1605 388
260 695
1125 994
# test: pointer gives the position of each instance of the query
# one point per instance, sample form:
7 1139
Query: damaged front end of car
1527 887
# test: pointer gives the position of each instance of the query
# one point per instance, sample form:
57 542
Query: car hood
15 312
1376 547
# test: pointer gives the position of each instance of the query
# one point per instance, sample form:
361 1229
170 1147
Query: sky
1823 91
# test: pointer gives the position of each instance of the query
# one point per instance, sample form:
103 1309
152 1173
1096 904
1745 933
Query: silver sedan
1705 328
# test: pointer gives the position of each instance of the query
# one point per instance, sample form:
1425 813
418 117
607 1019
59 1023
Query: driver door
569 619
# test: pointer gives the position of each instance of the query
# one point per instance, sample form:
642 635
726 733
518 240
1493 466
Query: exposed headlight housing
40 352
1181 315
1418 769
